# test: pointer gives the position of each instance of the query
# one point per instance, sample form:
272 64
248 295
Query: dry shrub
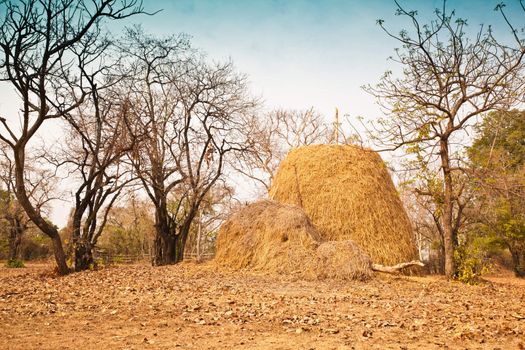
348 194
274 237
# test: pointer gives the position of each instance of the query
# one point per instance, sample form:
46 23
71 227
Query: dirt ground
193 306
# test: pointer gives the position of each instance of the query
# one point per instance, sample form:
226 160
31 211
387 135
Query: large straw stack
348 194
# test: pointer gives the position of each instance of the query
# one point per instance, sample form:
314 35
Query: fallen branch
395 268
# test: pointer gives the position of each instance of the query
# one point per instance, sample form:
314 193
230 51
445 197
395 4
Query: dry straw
266 236
273 237
343 260
348 194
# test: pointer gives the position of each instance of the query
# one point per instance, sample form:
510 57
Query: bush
35 246
122 241
15 264
473 259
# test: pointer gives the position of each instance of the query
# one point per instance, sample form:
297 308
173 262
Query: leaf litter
195 306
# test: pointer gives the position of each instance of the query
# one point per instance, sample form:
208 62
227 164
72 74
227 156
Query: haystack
273 237
348 194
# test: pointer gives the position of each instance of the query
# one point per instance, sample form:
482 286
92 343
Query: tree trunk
83 255
14 245
15 240
60 255
82 247
165 239
448 231
181 244
167 249
169 245
164 247
518 260
441 267
46 227
199 237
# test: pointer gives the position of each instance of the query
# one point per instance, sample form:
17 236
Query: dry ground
196 307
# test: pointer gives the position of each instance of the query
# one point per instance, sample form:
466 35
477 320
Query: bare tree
98 140
40 45
214 209
191 113
40 185
448 80
298 128
130 228
272 135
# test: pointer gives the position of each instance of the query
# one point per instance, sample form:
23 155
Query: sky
303 53
298 53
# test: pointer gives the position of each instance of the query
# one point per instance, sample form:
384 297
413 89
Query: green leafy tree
448 80
497 159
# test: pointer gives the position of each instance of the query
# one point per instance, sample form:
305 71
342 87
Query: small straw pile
274 237
348 194
343 260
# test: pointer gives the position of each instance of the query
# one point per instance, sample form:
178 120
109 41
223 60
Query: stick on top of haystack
336 126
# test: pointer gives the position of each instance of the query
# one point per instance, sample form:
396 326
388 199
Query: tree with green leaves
449 79
497 160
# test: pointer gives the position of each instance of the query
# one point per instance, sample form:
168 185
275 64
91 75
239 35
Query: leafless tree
98 140
448 80
130 227
298 128
40 44
40 185
213 211
191 112
272 135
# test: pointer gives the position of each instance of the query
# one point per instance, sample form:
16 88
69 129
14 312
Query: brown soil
196 307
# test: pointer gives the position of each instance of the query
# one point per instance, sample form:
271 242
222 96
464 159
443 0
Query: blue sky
303 53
